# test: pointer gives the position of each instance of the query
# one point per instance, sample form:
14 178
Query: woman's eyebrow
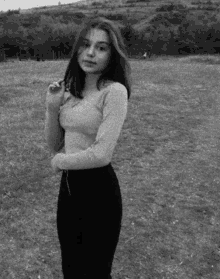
99 42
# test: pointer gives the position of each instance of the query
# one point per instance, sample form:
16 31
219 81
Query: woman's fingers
60 82
57 84
55 87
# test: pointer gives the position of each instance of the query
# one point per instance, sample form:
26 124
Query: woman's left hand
55 162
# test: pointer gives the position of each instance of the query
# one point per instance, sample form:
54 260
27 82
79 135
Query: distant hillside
168 27
100 6
135 11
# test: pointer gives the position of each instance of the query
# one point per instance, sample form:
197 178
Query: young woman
85 114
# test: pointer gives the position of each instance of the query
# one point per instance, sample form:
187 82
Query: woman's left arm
100 152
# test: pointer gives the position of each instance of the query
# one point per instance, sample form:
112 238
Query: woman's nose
91 51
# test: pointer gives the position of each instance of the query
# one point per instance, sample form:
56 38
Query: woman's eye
102 48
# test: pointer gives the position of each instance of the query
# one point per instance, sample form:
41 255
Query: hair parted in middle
118 68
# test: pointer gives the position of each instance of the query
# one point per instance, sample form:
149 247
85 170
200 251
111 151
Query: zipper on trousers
67 183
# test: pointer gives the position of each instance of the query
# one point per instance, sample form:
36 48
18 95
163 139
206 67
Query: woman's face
94 54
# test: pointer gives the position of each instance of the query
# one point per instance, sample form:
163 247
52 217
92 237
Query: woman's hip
90 185
86 177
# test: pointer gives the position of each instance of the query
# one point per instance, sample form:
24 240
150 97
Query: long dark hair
118 69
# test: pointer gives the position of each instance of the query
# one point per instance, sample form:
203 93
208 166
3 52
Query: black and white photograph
110 139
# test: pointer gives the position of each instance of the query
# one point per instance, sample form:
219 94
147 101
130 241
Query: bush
131 1
115 17
96 4
12 12
208 5
171 7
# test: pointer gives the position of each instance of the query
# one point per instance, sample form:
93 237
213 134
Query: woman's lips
89 62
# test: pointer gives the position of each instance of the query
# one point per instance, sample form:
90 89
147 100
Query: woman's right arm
54 133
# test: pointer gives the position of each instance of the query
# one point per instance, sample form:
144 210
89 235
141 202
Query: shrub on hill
171 7
13 12
208 5
116 16
168 18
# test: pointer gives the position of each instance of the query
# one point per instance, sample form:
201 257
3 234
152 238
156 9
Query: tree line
178 30
172 30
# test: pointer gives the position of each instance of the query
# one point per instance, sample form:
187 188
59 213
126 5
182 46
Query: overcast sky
6 5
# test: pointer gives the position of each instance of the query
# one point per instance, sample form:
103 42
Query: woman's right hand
55 95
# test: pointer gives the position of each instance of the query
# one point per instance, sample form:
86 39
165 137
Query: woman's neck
91 84
91 81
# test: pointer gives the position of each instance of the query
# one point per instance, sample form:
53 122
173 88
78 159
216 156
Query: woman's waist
77 142
106 168
93 180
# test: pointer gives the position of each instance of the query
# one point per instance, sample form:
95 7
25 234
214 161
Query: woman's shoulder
114 85
113 91
115 88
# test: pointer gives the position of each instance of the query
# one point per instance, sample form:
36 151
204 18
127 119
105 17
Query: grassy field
167 161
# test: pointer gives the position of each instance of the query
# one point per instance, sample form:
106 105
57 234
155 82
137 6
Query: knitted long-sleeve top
92 126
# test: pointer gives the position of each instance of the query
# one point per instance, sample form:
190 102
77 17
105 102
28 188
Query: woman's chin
87 69
90 70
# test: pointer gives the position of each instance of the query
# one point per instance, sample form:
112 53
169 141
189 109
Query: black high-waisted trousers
89 218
